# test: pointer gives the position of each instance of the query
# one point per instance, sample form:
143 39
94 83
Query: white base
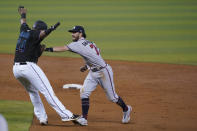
72 86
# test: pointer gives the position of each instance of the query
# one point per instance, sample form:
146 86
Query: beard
75 38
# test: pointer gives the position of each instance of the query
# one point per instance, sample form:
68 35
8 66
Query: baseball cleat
126 115
73 118
43 122
81 121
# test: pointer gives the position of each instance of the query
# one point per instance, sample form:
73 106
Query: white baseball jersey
88 51
103 76
3 124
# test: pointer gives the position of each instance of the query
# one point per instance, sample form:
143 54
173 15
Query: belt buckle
94 70
97 69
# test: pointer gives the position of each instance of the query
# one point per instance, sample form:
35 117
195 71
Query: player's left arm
46 32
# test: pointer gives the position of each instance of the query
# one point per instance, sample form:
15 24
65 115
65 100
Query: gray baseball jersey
88 51
103 75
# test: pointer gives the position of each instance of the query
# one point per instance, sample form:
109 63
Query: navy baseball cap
79 29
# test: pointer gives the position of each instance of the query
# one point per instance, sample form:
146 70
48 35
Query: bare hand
22 10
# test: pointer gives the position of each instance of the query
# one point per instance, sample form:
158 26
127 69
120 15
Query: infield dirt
163 96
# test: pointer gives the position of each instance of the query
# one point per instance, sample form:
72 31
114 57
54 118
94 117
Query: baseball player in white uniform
30 75
100 73
3 124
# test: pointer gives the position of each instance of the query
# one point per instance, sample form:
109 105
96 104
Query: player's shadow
110 121
66 124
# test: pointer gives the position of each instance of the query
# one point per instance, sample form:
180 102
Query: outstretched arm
22 11
57 49
45 33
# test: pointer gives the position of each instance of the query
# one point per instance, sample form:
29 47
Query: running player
30 74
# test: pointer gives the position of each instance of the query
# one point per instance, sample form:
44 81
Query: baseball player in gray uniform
100 73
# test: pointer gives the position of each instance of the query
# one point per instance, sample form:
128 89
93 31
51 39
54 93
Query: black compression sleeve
49 49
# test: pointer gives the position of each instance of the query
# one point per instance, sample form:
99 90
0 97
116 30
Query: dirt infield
163 96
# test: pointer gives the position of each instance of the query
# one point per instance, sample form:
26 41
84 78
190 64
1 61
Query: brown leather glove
83 68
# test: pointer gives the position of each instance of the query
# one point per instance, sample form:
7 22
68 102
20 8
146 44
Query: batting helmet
40 25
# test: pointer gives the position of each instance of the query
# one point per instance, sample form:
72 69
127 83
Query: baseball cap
78 29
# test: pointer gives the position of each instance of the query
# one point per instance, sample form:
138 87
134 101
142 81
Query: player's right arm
70 47
57 49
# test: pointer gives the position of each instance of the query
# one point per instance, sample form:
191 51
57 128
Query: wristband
49 49
23 16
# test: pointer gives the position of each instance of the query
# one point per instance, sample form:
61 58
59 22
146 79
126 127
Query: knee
114 100
84 94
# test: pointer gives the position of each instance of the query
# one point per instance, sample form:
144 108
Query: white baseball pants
34 80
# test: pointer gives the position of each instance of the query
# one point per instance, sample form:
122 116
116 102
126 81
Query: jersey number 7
93 46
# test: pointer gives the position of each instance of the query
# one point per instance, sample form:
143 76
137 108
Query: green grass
162 31
19 114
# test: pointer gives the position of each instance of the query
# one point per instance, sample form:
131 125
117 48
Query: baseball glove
83 68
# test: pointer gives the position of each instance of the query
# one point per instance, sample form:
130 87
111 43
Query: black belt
21 63
97 68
